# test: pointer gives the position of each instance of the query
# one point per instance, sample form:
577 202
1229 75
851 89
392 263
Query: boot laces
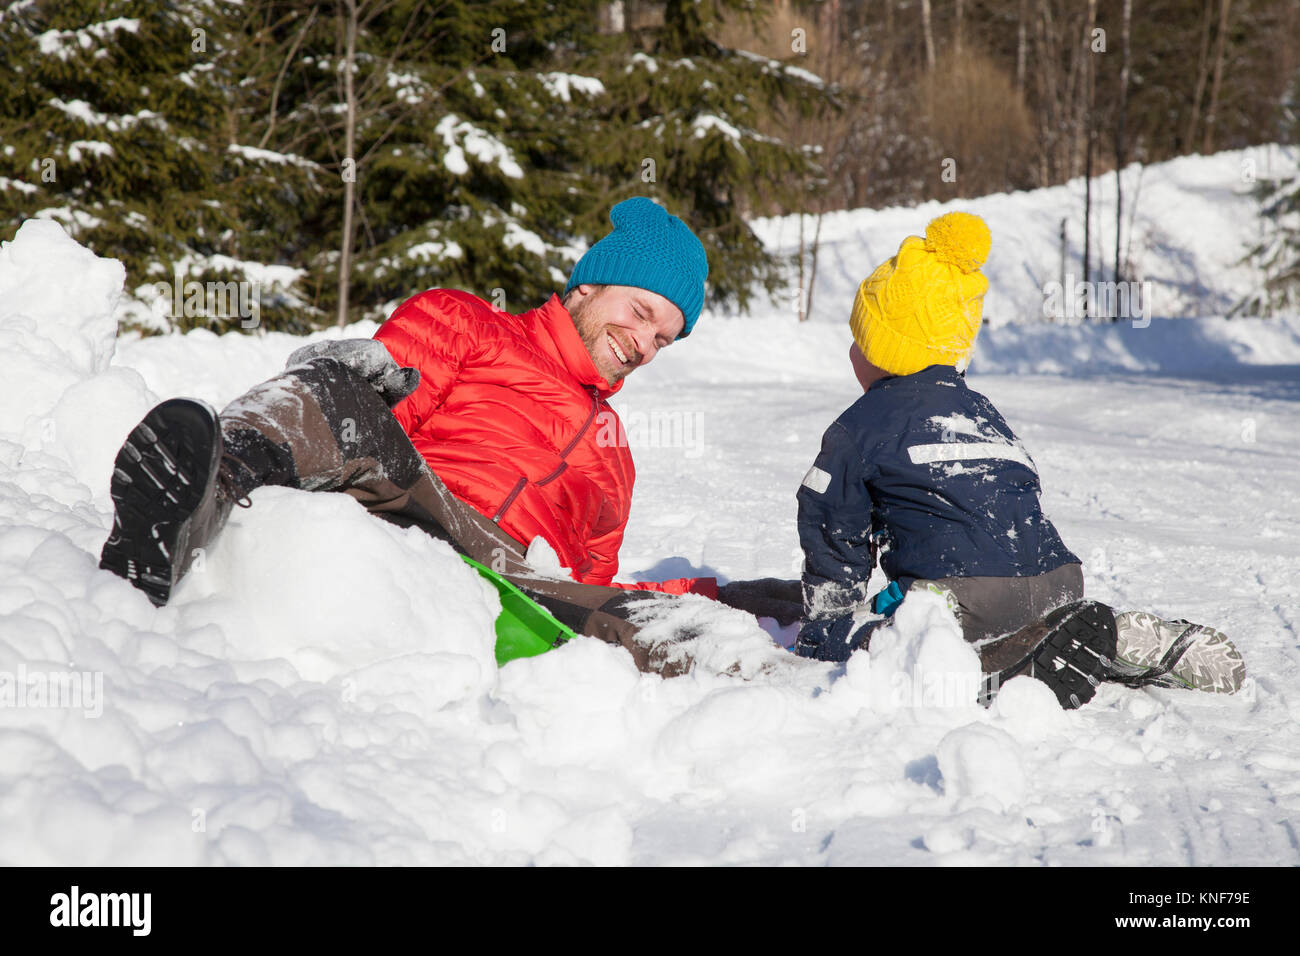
228 487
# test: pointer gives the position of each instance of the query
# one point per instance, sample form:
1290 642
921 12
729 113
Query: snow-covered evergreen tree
492 138
207 139
121 123
1277 255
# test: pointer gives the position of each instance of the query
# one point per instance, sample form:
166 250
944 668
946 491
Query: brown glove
765 597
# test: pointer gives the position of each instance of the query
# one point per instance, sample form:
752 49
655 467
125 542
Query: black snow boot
172 491
1071 650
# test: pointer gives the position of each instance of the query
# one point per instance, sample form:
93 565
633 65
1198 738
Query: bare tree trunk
812 272
1202 73
929 34
349 159
1050 127
1119 132
1088 141
958 28
1021 51
1132 213
799 310
1063 248
611 18
889 36
834 15
1074 99
1219 47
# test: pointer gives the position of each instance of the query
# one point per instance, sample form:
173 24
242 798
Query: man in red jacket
499 432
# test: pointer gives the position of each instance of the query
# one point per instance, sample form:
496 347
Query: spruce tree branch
379 78
275 91
393 125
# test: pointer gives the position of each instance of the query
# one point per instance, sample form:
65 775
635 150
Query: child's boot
1071 650
1152 651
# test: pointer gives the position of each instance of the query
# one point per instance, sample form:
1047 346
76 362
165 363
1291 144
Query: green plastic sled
524 627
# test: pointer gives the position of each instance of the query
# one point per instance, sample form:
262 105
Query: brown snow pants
321 427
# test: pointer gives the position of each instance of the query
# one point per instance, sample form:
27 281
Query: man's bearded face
623 327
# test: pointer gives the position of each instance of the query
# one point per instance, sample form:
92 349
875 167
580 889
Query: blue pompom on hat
648 249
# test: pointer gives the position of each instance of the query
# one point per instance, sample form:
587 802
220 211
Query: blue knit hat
649 249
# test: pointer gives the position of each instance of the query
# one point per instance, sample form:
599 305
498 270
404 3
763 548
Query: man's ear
579 292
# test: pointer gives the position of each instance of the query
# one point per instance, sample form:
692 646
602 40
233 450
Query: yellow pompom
959 239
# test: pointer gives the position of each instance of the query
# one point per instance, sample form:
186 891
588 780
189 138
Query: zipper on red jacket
523 482
510 499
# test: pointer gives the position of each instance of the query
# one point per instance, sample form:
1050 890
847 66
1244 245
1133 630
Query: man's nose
645 345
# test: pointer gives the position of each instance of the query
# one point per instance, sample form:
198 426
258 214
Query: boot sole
1210 663
159 480
1073 657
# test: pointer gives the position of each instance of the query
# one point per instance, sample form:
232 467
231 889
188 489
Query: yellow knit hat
923 307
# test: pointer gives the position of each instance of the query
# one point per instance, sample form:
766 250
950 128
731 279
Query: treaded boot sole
1153 651
1071 651
160 477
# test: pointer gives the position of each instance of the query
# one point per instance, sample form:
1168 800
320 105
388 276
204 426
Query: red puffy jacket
512 415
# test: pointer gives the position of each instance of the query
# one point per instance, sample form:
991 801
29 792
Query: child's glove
886 602
367 358
765 597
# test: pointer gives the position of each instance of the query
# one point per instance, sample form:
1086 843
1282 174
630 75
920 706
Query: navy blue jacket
927 470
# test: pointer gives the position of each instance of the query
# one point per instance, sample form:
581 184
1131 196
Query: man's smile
620 354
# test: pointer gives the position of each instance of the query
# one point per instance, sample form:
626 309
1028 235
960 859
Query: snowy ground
322 690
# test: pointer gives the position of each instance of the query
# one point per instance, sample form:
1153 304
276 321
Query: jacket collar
555 333
930 375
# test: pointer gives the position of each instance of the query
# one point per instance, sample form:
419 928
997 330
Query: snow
649 63
410 88
807 76
64 43
517 235
564 85
92 146
18 184
435 251
460 136
188 76
321 690
776 66
81 110
705 123
270 156
78 219
18 6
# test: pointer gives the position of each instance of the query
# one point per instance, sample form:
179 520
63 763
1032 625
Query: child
926 473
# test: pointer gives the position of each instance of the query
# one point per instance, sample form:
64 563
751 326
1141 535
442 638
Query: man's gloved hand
367 358
765 597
